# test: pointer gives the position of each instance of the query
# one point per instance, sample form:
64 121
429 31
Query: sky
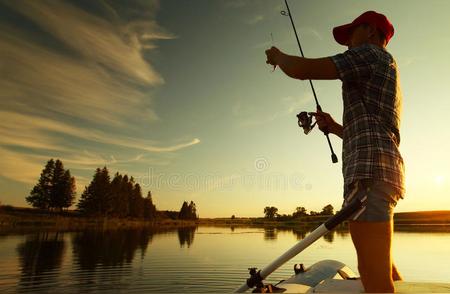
178 95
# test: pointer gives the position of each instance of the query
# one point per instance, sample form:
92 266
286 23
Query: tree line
120 197
271 212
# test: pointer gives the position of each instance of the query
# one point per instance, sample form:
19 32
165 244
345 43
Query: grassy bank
12 218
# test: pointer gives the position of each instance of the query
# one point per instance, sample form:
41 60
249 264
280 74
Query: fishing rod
305 119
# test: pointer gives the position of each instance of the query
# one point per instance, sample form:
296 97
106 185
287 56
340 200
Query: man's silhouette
371 162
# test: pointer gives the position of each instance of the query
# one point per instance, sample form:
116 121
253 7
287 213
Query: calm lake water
198 259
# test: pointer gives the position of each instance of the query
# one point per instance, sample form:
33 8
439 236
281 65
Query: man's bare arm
303 68
307 68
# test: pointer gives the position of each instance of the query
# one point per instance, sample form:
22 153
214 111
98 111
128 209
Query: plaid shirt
371 119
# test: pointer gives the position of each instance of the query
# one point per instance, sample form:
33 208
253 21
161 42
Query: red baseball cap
342 33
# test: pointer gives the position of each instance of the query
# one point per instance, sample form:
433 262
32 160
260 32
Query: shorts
379 204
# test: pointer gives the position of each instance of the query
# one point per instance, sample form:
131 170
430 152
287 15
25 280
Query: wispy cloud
307 31
103 78
19 167
295 104
113 44
35 132
288 105
409 60
255 19
254 121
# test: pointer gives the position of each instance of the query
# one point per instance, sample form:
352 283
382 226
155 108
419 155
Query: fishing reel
305 121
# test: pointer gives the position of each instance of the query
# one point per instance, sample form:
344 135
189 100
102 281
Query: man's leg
372 241
396 276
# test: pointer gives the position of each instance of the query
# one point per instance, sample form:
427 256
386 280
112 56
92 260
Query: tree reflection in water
109 248
329 237
270 234
39 254
105 257
186 236
300 233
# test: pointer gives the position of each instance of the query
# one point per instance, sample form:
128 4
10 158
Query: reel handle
334 158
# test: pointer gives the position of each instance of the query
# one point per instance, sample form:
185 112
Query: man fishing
372 164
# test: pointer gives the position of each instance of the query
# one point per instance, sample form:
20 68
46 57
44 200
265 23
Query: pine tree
183 214
40 194
69 190
117 206
95 198
104 192
132 201
188 211
86 204
149 207
58 186
192 211
127 190
138 192
136 201
124 196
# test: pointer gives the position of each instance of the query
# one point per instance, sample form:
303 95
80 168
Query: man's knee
376 277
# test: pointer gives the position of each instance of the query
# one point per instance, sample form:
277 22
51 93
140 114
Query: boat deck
331 276
355 286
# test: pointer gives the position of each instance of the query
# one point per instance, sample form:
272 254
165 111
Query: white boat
331 276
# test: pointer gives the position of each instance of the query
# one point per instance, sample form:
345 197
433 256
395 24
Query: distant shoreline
13 219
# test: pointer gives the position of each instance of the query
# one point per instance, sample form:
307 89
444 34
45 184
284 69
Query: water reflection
270 234
186 236
139 261
329 237
108 248
39 254
299 233
342 231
